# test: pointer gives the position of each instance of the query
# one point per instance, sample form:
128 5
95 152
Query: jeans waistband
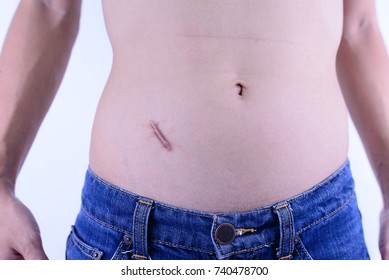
196 230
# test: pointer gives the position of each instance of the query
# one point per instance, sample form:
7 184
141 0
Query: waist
114 207
260 147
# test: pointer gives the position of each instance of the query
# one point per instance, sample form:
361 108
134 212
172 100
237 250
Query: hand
19 232
384 234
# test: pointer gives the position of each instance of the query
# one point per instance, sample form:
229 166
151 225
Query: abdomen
245 92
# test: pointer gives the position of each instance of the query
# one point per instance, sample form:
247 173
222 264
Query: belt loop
140 225
287 234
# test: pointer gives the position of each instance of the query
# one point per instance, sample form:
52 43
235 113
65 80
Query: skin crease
233 147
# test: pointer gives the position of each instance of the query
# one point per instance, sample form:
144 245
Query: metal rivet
127 239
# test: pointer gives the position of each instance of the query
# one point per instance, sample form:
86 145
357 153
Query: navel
242 88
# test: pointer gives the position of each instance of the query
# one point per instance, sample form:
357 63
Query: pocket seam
327 216
120 250
82 246
300 244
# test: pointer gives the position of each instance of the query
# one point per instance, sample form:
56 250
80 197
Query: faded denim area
322 223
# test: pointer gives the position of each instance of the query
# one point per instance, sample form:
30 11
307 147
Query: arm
32 64
363 73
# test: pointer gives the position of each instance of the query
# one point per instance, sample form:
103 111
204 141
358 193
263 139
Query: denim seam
183 246
238 251
298 253
135 240
104 223
183 211
327 216
123 253
305 251
247 249
298 197
81 247
215 219
300 243
320 185
95 177
291 230
117 251
143 230
288 257
113 187
283 235
266 208
262 209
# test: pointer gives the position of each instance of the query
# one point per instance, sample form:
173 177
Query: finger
10 254
384 250
33 250
36 255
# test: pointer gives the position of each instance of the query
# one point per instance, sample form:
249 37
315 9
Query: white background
52 177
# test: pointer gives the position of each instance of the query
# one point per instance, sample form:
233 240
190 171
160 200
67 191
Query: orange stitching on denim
322 183
122 191
307 193
247 250
268 208
80 246
145 202
140 256
298 253
183 247
117 251
328 215
238 251
102 222
109 185
286 257
300 243
306 251
136 228
282 206
283 233
291 230
183 211
143 230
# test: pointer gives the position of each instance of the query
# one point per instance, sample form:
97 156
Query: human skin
219 106
285 132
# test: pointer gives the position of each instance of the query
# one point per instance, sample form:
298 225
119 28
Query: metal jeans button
225 233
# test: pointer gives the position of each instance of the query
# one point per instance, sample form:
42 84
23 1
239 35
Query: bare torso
221 105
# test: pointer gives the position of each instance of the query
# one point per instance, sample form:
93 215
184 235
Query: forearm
363 71
32 63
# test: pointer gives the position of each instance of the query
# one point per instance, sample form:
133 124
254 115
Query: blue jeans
321 223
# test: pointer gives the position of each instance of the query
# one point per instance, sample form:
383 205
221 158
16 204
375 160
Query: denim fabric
321 223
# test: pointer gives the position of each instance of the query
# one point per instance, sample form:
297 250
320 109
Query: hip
317 224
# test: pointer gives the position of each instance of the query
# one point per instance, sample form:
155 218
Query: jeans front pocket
336 236
77 249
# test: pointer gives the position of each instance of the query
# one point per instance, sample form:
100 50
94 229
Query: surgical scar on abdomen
160 136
